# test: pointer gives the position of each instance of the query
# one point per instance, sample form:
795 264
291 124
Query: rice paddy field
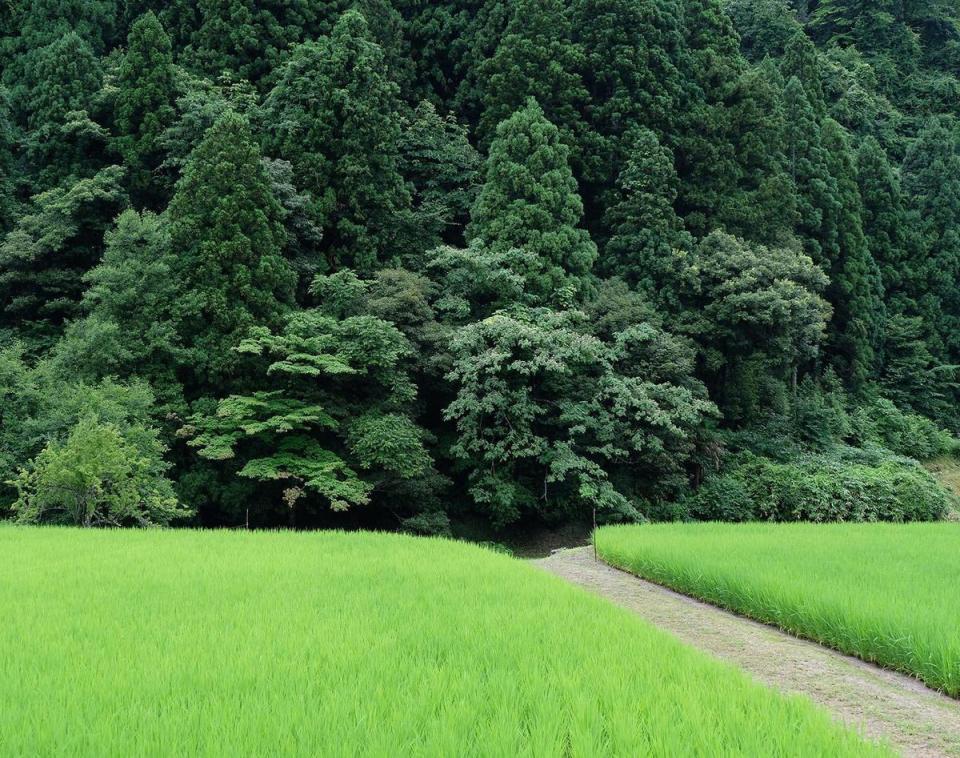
887 593
124 643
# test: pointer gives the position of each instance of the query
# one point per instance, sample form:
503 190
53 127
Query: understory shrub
903 432
820 488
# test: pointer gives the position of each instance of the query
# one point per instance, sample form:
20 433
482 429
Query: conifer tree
631 49
886 222
931 175
144 106
242 37
711 64
763 207
529 203
334 116
808 170
856 289
227 234
65 77
536 58
646 230
801 60
8 180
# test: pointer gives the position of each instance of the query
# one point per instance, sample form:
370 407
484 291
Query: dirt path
882 704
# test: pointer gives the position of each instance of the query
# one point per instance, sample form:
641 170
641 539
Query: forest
480 264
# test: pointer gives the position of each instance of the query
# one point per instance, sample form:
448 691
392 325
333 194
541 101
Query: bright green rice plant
158 643
888 593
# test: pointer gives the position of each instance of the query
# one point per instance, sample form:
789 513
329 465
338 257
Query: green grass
888 593
231 643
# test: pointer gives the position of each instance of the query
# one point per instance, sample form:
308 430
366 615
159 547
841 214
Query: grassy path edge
881 703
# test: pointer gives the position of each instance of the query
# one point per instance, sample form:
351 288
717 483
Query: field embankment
230 643
886 593
884 704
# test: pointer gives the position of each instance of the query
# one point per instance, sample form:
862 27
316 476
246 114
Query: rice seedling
888 593
236 643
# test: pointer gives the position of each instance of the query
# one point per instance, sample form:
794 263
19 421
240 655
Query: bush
96 477
903 432
818 488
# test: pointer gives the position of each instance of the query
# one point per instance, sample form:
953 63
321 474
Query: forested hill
398 264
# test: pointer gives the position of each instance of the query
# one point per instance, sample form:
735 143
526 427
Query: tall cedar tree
886 223
706 159
66 76
631 49
856 289
801 59
646 229
529 203
227 232
8 170
144 107
807 166
764 206
334 116
931 173
537 58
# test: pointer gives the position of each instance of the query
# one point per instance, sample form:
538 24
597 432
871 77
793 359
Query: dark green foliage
765 27
43 259
631 50
821 489
706 157
536 58
749 303
62 143
419 264
8 178
645 230
808 170
856 290
243 37
144 106
886 223
437 158
336 422
763 207
553 420
912 376
529 206
334 115
931 174
802 60
227 233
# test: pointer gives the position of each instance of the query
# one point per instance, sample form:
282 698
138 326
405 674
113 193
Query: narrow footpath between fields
882 704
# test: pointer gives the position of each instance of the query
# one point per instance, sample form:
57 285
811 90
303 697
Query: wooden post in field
248 519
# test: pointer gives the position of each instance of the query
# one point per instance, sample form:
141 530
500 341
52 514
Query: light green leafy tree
96 477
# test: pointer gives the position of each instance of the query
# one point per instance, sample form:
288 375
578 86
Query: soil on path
881 704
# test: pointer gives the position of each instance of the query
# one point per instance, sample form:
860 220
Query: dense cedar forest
420 264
